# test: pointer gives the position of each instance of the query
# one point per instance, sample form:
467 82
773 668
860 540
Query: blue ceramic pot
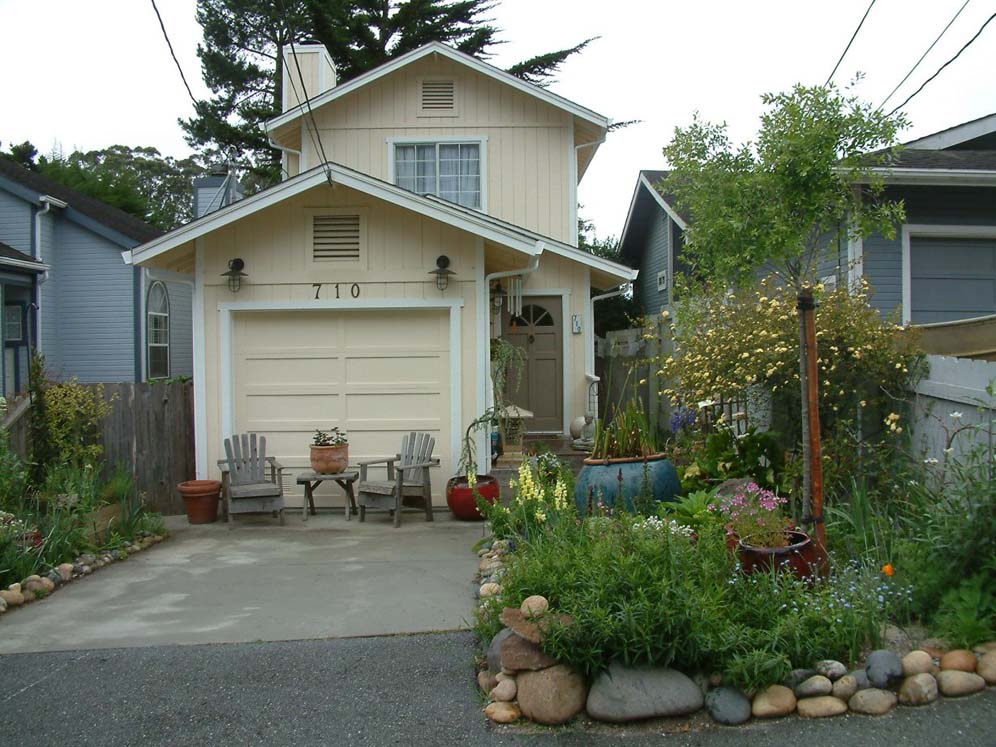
604 480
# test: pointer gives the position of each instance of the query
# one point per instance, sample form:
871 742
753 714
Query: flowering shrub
754 515
543 497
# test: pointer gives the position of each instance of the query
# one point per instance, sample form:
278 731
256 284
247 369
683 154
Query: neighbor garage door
951 279
376 374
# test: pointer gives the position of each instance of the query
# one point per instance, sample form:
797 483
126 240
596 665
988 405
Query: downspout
488 279
284 149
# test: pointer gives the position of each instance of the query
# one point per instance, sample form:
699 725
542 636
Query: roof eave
935 177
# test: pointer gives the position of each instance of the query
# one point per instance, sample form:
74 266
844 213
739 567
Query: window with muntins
157 332
451 171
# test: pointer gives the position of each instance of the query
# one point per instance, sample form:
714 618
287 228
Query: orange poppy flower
888 570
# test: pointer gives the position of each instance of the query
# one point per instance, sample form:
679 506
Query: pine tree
241 58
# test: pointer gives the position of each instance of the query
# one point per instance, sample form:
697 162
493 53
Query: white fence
954 396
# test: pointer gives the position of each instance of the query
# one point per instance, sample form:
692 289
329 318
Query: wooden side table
312 480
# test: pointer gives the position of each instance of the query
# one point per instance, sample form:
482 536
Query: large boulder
728 706
814 686
987 668
918 689
494 650
954 683
822 706
623 693
883 668
551 696
777 700
517 654
917 662
872 702
960 659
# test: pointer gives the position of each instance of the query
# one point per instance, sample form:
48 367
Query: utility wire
933 44
957 55
312 131
311 116
853 37
170 45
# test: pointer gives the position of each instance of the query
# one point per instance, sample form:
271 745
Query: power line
312 131
853 37
933 44
173 54
311 116
957 55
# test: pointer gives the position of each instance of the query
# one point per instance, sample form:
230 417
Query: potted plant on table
329 452
764 537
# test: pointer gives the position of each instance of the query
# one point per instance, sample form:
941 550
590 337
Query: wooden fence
150 430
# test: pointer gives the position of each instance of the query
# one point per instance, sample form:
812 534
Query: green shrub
13 476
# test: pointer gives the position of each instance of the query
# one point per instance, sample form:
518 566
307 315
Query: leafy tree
241 59
776 203
588 241
23 154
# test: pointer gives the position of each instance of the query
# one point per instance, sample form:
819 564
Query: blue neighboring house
940 267
66 291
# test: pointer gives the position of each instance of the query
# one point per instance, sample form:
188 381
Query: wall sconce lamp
442 272
498 295
235 274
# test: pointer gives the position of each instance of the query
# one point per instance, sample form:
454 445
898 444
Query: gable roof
11 257
125 224
964 160
467 219
965 134
646 201
459 57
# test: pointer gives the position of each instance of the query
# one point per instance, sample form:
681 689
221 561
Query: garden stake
807 307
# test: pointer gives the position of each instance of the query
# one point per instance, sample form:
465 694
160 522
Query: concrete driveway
326 578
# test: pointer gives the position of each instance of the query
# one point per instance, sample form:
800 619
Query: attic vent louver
438 96
335 237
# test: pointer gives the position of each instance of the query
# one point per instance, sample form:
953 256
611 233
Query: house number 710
354 289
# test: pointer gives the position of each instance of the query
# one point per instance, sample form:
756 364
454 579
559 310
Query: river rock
488 590
872 702
494 649
29 596
815 685
47 584
504 691
728 706
987 668
936 647
532 629
12 598
822 706
777 700
861 677
56 578
883 667
503 713
917 690
831 669
623 693
917 662
3 605
953 683
797 677
553 695
984 648
896 639
960 659
517 654
486 680
65 570
534 606
845 687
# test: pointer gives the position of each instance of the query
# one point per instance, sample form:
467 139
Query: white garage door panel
375 374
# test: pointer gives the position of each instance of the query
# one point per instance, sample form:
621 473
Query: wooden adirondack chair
244 484
407 477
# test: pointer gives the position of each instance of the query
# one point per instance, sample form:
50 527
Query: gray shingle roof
971 160
9 252
107 215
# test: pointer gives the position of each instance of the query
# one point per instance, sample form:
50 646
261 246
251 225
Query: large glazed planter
462 501
801 557
329 460
200 499
612 481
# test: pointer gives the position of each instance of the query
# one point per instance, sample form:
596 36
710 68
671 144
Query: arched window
157 331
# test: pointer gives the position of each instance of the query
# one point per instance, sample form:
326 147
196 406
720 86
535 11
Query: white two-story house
433 162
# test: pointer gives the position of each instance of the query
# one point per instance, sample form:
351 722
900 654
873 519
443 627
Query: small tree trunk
807 474
812 451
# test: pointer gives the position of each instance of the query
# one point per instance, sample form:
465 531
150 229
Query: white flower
956 415
930 460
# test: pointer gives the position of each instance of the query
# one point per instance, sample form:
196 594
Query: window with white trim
157 331
451 171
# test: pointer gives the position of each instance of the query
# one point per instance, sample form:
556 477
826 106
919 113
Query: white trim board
910 230
445 51
226 311
200 355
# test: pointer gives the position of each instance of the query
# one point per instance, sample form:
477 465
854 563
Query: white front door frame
910 230
226 331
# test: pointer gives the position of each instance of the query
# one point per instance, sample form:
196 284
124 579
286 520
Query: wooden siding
15 222
528 142
655 258
181 362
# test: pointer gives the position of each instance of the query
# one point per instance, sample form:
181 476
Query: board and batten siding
15 221
529 143
92 293
181 361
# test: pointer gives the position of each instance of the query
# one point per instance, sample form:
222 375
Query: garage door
951 279
375 374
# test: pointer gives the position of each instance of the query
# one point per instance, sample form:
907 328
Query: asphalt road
399 690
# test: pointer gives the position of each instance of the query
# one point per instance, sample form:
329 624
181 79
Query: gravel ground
397 690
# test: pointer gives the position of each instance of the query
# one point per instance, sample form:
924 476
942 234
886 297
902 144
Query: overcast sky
95 73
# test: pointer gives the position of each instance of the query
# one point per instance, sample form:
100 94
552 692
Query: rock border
37 587
520 681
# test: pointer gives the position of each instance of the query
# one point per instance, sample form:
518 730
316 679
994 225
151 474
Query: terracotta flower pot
801 556
329 460
462 501
200 499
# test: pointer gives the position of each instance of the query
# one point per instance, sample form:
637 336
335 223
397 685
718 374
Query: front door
539 332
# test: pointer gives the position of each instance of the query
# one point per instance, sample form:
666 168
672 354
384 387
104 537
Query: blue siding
15 222
181 359
95 312
655 258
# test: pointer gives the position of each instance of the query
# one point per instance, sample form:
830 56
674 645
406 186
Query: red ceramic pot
801 556
462 501
200 499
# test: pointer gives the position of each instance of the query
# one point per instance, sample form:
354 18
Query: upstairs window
451 171
157 332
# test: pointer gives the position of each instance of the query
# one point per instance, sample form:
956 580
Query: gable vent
438 96
335 237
